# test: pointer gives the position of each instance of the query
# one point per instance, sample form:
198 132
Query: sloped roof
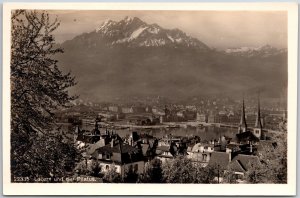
236 166
126 148
88 138
219 158
266 144
246 160
126 153
163 148
197 146
231 146
248 135
207 144
91 149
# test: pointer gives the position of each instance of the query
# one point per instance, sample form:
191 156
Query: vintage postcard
150 99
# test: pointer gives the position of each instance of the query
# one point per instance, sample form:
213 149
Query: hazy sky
220 29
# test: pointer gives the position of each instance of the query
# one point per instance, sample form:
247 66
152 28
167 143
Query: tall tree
179 170
257 173
230 176
206 175
91 168
38 87
112 176
183 170
153 172
131 176
274 159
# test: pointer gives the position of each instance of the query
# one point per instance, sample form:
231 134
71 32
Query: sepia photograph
138 96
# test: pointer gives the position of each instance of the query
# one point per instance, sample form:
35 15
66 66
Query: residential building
138 109
113 108
201 117
163 153
200 152
127 110
122 157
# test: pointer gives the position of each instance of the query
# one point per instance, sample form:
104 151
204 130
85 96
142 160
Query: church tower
96 131
243 125
258 125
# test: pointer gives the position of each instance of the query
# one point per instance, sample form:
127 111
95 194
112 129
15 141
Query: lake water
205 133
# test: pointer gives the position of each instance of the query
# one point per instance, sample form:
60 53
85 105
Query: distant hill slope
132 58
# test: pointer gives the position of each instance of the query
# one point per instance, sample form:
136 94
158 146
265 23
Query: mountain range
132 58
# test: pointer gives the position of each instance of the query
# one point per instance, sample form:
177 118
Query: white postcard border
156 189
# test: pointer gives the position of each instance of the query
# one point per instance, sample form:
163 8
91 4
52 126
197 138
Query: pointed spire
243 124
96 124
96 131
258 123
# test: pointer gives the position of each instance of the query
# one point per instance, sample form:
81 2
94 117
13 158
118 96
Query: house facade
121 157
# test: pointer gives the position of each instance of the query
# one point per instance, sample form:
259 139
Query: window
107 167
206 147
107 156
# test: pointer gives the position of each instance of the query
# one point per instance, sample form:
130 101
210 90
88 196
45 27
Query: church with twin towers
247 133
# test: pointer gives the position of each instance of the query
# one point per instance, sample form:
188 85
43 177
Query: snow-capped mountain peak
128 18
132 31
241 49
263 51
105 26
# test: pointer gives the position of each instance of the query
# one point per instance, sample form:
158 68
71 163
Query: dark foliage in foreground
38 87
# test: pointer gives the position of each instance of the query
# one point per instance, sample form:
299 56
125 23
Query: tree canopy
153 172
38 88
273 157
183 170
